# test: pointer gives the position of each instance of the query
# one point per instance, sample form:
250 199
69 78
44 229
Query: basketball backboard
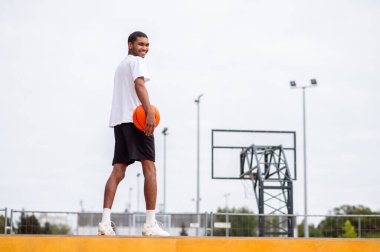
228 144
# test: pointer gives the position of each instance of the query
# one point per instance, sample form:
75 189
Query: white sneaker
153 230
106 228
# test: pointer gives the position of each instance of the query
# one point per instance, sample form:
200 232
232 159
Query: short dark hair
134 35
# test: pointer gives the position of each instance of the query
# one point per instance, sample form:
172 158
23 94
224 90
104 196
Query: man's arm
142 93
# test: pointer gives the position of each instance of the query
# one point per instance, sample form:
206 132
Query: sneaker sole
150 234
101 233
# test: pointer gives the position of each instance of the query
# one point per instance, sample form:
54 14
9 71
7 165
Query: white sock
150 217
106 215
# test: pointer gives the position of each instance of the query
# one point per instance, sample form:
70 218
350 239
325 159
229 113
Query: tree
313 231
2 222
241 225
28 225
347 209
334 226
349 230
59 229
183 230
46 229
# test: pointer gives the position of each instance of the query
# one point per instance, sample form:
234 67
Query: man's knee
119 171
149 169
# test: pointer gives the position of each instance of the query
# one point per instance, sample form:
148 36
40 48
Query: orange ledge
25 243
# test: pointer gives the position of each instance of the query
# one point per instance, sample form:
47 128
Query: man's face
140 47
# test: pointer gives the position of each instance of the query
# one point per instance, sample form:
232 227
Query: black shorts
132 145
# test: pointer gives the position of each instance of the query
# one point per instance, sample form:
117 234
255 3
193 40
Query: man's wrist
149 112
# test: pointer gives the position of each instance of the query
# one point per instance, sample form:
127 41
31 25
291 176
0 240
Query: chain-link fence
206 224
344 226
132 223
43 222
125 223
331 226
86 223
189 224
232 224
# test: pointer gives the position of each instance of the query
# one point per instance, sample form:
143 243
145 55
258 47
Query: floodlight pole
197 101
306 225
226 195
130 199
138 191
165 132
293 85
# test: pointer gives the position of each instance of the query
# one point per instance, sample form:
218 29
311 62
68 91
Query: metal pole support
11 221
212 223
5 221
206 223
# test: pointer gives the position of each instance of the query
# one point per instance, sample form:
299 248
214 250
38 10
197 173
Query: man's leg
116 176
150 184
150 191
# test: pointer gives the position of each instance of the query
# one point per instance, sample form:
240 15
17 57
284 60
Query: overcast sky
57 61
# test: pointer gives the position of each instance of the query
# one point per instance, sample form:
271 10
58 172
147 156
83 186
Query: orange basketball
139 119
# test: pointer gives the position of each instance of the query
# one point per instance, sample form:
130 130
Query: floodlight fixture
164 131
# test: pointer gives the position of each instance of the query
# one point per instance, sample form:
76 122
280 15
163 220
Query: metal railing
210 224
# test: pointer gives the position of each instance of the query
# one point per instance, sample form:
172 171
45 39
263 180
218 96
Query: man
131 144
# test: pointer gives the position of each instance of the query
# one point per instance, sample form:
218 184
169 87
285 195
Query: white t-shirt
125 99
